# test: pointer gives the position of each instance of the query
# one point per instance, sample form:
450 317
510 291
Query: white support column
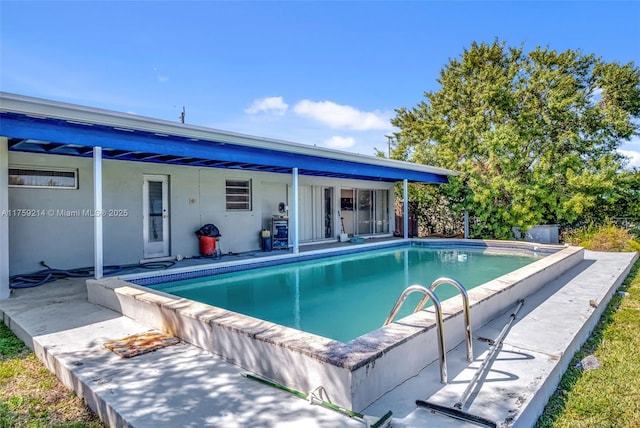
4 218
97 212
405 207
294 220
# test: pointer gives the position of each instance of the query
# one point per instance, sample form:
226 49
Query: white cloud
269 105
633 156
342 116
160 78
337 142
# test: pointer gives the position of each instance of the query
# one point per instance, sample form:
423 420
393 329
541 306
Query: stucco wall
197 197
60 241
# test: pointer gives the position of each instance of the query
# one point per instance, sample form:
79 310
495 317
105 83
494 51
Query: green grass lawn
608 396
31 396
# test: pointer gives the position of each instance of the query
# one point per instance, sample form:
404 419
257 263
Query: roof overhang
47 127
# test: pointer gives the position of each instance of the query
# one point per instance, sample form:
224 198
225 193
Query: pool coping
357 370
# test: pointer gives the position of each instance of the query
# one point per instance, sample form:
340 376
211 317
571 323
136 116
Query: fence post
466 224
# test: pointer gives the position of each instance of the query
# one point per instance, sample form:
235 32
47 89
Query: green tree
534 135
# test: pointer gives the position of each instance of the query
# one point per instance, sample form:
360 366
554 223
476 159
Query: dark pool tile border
507 245
178 276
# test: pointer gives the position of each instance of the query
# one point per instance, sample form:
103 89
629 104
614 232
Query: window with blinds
238 195
57 178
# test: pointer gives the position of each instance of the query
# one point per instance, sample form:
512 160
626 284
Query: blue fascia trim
60 131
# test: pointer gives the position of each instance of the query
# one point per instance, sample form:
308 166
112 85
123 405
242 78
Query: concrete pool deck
182 385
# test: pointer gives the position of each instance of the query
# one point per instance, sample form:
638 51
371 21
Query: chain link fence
430 221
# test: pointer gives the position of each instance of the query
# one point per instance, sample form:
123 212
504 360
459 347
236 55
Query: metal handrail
439 323
465 303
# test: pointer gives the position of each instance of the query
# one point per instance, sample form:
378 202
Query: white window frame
44 170
234 183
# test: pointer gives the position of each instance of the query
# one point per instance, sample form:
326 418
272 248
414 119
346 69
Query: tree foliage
533 135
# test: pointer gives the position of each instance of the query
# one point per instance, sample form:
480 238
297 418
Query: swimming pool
355 373
344 297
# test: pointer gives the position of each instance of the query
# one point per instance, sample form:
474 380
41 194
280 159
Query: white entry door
155 214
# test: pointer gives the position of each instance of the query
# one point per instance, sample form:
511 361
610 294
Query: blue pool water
347 296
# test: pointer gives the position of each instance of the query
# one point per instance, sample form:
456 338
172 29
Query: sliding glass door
372 211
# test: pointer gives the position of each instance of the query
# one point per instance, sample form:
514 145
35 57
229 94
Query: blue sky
323 73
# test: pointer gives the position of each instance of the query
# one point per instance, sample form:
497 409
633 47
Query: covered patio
47 127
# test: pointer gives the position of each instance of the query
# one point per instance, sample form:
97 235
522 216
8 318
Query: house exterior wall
61 232
60 241
4 219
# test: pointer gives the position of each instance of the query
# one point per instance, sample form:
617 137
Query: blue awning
70 137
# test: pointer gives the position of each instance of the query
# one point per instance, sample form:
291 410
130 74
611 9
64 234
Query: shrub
608 237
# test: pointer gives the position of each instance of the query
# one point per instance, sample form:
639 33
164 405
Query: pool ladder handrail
430 294
465 307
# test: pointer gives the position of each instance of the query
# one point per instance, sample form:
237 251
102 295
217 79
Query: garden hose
50 274
322 403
